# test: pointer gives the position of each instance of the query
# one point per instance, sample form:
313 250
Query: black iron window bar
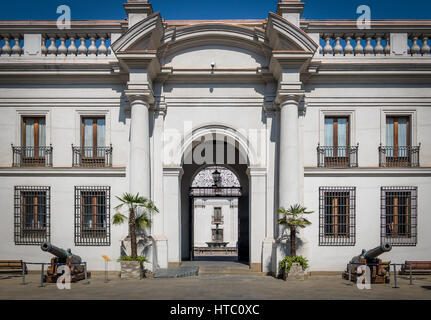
92 156
407 156
399 216
337 216
31 215
92 216
31 156
337 157
215 192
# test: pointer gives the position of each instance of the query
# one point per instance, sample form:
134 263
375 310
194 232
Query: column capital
256 171
173 171
160 106
289 96
140 95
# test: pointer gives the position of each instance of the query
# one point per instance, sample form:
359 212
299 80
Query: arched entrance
219 216
221 146
223 153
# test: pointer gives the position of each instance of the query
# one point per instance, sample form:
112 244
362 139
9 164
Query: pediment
285 36
145 35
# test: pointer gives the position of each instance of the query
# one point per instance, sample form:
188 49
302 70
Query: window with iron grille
337 216
92 216
399 216
32 215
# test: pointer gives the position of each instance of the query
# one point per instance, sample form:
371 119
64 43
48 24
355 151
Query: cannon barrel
59 253
377 251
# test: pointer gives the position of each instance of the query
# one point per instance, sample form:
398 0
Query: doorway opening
215 209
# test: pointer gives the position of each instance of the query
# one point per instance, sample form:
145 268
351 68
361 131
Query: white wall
367 219
203 213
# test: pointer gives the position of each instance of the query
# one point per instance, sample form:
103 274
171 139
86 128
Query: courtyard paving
326 287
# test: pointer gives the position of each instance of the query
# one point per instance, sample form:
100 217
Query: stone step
223 271
227 274
177 272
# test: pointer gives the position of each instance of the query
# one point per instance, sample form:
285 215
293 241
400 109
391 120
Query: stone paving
214 288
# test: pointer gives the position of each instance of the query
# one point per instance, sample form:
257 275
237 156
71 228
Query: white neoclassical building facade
313 112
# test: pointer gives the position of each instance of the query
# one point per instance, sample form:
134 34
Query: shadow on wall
144 242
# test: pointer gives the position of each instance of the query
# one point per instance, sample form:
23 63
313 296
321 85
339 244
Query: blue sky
210 9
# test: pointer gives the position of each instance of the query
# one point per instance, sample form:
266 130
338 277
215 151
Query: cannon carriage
63 257
379 268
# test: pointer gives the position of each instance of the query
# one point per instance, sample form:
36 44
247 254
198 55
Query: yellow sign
106 258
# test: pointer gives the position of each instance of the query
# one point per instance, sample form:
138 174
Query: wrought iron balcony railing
337 157
217 220
92 156
31 156
215 192
407 156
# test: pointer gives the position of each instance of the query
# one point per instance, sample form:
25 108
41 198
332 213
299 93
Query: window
217 217
217 234
397 137
337 216
93 152
32 215
92 216
337 151
33 140
398 218
93 137
336 136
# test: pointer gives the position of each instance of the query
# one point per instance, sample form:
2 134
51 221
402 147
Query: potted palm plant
293 218
140 210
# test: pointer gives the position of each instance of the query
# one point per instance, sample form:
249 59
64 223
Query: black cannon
379 269
72 261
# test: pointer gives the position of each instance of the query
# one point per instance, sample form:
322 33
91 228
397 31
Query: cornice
63 172
367 172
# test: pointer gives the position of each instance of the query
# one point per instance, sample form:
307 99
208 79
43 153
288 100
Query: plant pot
131 270
296 272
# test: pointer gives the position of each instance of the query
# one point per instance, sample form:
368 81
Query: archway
218 151
218 224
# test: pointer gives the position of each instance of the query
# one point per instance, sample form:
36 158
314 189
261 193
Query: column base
160 252
280 250
173 264
267 256
256 267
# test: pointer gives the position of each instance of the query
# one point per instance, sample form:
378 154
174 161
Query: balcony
92 156
337 157
407 156
217 220
31 156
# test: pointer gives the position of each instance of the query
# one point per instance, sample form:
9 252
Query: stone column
257 207
172 208
289 183
139 169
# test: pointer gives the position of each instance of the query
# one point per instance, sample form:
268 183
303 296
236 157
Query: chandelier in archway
216 178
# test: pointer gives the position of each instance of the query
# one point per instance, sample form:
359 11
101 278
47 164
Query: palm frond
141 206
118 218
292 216
143 221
